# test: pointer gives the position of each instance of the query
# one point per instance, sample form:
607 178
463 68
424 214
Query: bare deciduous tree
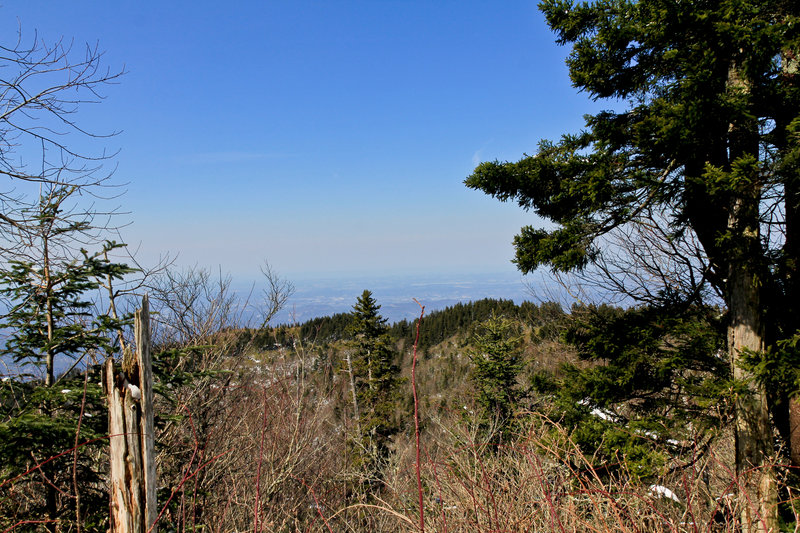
276 293
191 304
42 88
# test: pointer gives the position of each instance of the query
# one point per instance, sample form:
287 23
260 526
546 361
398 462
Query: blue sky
327 137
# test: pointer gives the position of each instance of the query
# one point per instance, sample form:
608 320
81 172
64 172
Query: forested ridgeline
439 324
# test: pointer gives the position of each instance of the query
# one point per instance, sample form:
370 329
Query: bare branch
42 88
276 294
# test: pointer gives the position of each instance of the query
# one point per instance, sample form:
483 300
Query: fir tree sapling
496 359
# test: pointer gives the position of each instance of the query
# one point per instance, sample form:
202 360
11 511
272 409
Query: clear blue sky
328 137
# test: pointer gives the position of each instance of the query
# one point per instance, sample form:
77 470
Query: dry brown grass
545 483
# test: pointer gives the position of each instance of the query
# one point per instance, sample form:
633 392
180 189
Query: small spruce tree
375 379
497 362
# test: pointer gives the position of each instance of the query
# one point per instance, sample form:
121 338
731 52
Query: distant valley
322 297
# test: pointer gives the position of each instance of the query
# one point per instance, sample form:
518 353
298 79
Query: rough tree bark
756 475
754 449
133 506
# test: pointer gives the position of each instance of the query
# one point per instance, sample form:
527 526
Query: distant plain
325 296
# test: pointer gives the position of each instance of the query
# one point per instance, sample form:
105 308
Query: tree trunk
790 70
756 476
356 414
51 498
790 307
133 506
50 501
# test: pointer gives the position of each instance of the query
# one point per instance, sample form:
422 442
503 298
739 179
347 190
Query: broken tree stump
133 505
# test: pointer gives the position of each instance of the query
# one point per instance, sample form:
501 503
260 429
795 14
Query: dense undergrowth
258 429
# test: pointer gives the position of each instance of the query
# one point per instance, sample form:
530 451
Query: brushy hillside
520 428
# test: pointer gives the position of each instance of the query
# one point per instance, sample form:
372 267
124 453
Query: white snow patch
660 491
603 414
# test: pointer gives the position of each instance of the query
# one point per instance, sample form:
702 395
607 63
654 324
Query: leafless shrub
544 482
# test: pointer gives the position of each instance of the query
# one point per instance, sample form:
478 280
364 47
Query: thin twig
416 421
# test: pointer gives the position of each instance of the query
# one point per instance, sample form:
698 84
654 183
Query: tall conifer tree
705 156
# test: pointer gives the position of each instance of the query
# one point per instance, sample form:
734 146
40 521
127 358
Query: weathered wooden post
133 507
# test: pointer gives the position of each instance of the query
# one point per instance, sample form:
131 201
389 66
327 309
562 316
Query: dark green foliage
38 423
326 329
319 330
495 354
546 319
686 195
652 372
648 350
50 293
691 140
50 314
779 367
179 367
439 325
376 381
778 370
459 318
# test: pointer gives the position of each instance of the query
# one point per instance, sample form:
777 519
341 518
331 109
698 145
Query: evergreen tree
40 423
654 369
51 318
374 378
497 362
701 168
50 313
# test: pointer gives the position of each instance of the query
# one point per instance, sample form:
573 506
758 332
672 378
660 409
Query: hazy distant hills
319 297
323 297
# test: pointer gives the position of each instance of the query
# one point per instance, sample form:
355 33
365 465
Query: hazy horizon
395 294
